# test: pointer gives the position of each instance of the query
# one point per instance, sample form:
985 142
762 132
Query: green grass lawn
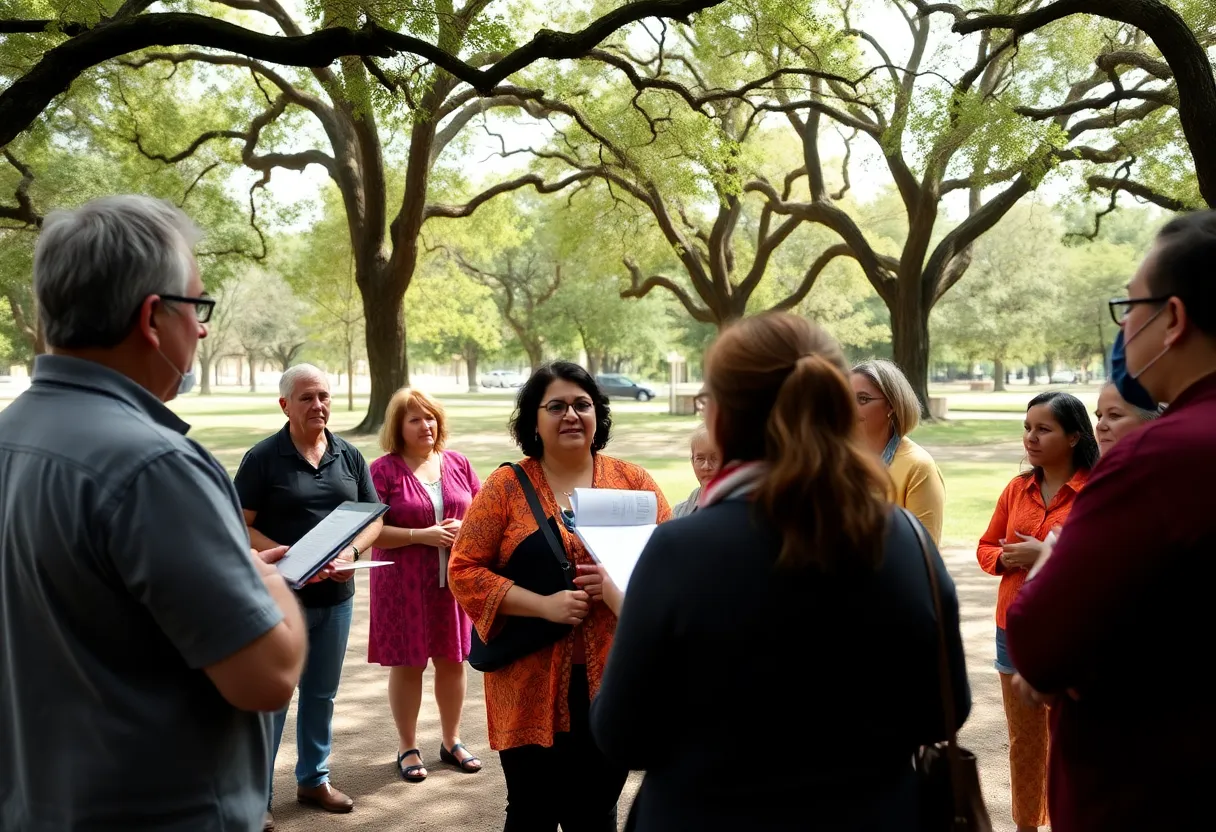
229 425
977 456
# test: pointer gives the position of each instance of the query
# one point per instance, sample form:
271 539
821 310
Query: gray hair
297 373
699 434
894 386
94 266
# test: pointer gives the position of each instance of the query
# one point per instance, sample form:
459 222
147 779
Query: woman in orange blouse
537 706
1060 444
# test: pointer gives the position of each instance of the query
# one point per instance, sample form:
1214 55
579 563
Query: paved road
365 741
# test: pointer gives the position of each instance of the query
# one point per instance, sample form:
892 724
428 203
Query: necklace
552 478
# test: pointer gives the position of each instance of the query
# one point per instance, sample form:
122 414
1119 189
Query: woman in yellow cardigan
889 411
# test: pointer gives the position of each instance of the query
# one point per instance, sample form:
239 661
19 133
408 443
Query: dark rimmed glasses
1121 307
203 306
558 408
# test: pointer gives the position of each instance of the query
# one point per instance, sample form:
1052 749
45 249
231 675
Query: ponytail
823 491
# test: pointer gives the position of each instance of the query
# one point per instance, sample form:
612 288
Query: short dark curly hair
527 407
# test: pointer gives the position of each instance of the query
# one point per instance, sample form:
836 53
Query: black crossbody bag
535 570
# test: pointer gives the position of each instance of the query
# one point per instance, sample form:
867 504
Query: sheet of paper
361 564
616 547
613 507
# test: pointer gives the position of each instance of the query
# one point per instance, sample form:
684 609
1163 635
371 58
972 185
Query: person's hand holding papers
600 586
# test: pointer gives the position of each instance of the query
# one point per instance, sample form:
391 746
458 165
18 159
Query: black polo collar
288 448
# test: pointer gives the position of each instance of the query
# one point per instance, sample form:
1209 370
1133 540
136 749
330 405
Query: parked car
1064 377
505 379
620 386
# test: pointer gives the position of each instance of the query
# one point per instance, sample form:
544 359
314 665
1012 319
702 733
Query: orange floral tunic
526 700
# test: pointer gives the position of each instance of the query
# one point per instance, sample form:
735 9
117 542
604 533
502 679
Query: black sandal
466 765
410 773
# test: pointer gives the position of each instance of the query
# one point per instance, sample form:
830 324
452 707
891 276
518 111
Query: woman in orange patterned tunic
537 706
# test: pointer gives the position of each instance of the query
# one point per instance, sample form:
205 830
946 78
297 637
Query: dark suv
623 387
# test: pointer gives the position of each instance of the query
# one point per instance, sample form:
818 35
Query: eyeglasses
1120 308
701 461
558 408
864 399
203 306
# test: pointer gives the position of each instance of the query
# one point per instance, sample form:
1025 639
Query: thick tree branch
879 269
1186 56
1140 191
812 274
1164 97
640 287
23 212
30 94
529 180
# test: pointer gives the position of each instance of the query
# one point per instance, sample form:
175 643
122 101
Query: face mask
1126 383
186 379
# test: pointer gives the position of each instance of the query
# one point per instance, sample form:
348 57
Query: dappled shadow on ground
365 740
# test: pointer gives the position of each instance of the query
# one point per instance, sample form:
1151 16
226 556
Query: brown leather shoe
268 823
325 797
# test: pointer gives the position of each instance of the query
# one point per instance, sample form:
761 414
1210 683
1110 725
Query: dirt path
365 740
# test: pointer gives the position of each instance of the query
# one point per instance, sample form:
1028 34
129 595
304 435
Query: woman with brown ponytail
775 663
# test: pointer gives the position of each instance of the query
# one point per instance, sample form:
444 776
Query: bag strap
538 513
944 678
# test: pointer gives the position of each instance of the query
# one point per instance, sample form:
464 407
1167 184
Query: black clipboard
326 540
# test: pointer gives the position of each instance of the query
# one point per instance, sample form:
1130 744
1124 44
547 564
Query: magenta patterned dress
413 618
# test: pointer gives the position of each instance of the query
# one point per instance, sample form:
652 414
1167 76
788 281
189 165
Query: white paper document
615 527
347 566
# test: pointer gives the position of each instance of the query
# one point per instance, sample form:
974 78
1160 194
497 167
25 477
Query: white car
505 379
1064 377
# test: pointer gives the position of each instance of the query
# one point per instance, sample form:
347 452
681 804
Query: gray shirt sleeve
177 541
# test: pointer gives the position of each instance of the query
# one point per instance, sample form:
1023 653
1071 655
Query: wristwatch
355 549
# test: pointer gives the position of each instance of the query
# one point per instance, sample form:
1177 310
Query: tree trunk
253 373
998 375
350 373
386 358
472 353
910 335
205 363
536 355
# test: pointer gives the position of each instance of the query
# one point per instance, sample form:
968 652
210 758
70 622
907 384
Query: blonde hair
894 386
781 390
391 440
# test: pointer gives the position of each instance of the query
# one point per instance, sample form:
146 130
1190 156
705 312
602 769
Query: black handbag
950 796
534 569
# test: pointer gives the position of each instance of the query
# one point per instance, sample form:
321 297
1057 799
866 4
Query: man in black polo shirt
287 484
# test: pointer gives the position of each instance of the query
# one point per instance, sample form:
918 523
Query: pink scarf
736 480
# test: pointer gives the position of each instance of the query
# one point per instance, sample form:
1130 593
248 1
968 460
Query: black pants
571 783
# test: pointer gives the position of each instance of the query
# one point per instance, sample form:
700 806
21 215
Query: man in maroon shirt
1118 615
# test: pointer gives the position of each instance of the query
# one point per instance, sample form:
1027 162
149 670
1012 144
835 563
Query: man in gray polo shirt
141 641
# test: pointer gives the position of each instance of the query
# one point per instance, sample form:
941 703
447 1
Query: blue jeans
328 628
1003 663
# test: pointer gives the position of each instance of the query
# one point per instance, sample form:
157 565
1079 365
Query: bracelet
411 535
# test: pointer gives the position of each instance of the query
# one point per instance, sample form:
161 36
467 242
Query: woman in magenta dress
414 617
